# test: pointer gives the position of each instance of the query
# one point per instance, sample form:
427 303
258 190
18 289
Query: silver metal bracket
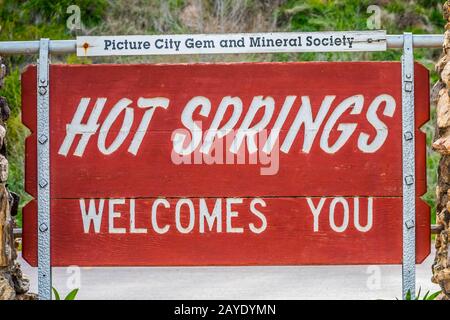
43 166
408 159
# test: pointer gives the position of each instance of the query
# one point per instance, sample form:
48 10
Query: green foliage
70 296
316 15
427 295
56 11
397 17
56 294
36 14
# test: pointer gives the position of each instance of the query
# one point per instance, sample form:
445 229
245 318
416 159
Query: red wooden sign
226 164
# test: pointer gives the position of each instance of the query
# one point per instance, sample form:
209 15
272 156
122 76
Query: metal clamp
43 164
408 159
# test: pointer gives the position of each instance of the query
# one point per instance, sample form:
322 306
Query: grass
33 19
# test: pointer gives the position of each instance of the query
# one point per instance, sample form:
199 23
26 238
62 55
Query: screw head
409 224
408 87
43 227
43 183
43 139
409 180
408 136
42 91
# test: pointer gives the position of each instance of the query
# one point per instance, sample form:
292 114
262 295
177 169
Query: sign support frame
408 159
43 164
407 41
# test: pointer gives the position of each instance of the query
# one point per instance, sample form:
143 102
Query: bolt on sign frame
44 47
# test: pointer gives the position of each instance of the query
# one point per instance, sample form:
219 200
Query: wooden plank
289 237
339 41
144 180
151 172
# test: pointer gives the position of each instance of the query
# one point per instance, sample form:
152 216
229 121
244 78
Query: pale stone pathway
339 282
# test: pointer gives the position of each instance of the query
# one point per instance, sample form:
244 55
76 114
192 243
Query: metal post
393 41
408 158
43 163
407 41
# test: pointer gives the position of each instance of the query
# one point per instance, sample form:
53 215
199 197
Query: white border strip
342 41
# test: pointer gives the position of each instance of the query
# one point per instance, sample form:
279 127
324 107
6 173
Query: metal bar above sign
43 164
409 179
70 46
341 41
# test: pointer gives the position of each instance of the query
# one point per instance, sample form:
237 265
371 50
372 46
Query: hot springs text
192 137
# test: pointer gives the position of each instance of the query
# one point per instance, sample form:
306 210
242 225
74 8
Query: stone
446 11
442 296
436 90
27 296
446 44
7 252
440 95
445 74
444 174
443 109
3 169
441 64
7 291
13 284
14 200
4 109
21 282
2 73
442 145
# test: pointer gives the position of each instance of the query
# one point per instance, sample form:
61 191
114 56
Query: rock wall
441 96
13 285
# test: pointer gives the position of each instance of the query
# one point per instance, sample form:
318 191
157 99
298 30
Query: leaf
72 294
408 295
418 294
434 295
56 294
426 295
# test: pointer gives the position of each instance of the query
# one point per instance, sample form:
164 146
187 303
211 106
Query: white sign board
231 43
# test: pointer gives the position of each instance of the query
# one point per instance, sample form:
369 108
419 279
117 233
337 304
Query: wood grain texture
151 173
